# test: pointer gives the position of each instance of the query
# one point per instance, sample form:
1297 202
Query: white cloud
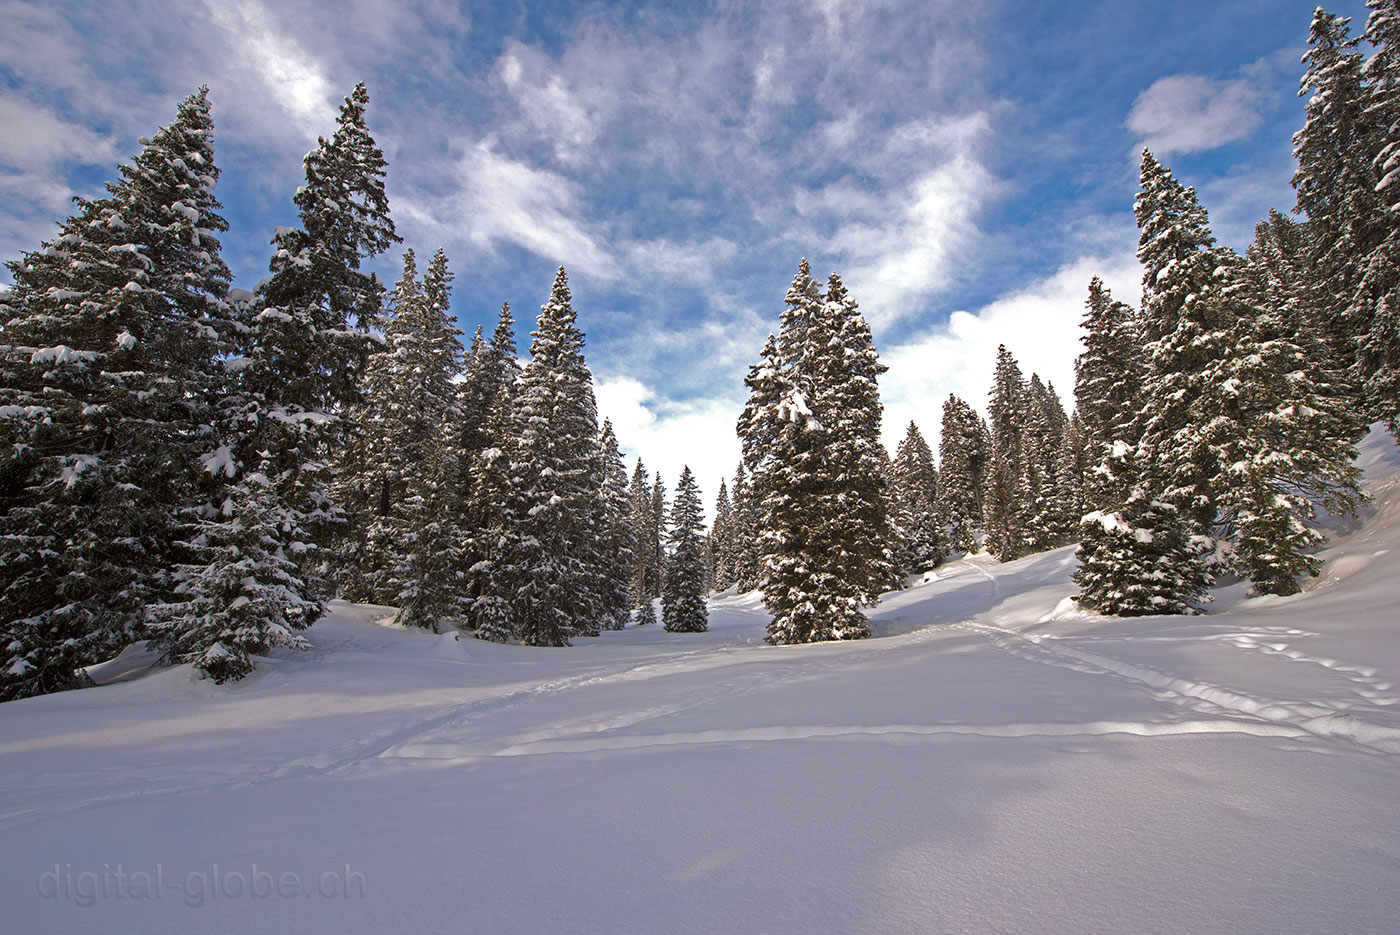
1039 325
36 149
282 65
37 138
1194 113
670 435
500 199
904 236
551 111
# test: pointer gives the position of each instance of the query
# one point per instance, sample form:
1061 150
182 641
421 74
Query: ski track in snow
439 737
1329 721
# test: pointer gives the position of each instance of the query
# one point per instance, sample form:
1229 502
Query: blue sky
966 167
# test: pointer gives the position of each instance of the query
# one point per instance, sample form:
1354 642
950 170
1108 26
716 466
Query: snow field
994 760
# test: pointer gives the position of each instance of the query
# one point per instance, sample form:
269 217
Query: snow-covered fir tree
490 368
424 347
495 506
1241 436
1376 305
1188 328
817 479
1005 495
915 483
722 544
964 452
646 535
657 562
1108 379
311 328
748 572
1138 558
616 543
1135 553
1337 151
844 390
683 607
243 594
555 475
373 467
484 393
113 385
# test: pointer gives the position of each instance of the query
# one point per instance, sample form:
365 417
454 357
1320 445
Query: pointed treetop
503 338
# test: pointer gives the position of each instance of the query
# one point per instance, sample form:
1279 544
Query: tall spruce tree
964 452
1108 379
483 401
1004 499
496 506
372 467
426 349
817 477
683 593
1337 151
311 330
1135 553
1188 328
845 392
1242 437
645 534
245 593
616 543
111 436
1047 506
1137 558
748 572
917 503
657 562
555 472
722 545
1376 306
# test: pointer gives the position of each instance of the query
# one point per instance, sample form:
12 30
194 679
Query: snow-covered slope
994 761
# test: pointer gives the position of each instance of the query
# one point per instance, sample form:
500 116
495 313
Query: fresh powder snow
994 760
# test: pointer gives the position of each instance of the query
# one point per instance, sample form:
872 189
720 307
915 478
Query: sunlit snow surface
994 761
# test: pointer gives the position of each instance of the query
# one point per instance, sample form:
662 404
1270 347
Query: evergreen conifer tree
616 541
1376 306
645 533
1108 378
657 563
683 594
722 542
916 498
817 478
115 339
963 454
425 346
1004 501
1337 151
495 505
555 474
747 570
484 394
310 330
245 594
1137 559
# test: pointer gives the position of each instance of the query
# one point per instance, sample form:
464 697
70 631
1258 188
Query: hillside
993 761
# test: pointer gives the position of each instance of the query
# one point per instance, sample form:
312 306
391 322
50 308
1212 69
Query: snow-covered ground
994 761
